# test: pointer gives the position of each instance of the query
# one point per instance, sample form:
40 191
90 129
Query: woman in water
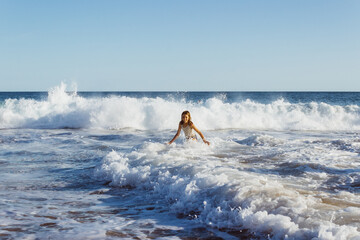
187 126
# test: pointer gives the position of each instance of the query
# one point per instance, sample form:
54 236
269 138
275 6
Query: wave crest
63 109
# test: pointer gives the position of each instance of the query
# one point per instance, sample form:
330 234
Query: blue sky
114 45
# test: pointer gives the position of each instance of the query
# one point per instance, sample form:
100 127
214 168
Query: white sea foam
262 140
224 195
69 110
220 192
277 184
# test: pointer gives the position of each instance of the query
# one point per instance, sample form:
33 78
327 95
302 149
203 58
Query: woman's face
185 118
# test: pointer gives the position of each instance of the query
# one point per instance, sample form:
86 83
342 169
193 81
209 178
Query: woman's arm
176 135
201 135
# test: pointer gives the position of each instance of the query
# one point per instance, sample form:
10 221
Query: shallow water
108 179
49 189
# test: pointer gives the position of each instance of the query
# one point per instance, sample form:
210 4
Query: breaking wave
62 109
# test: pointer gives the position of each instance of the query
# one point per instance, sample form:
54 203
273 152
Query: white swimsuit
188 132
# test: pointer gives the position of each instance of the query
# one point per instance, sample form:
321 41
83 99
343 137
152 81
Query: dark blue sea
96 165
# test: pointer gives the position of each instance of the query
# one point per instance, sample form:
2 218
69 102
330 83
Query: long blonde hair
186 113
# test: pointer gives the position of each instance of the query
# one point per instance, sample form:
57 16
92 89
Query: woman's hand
208 143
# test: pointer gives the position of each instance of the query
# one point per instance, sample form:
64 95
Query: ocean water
95 165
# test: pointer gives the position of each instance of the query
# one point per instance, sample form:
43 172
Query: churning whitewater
97 165
69 110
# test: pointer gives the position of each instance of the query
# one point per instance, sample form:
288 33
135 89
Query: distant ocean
95 165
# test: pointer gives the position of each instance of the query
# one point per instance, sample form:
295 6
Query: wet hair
186 113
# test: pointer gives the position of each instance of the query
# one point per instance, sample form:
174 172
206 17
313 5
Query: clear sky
204 45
